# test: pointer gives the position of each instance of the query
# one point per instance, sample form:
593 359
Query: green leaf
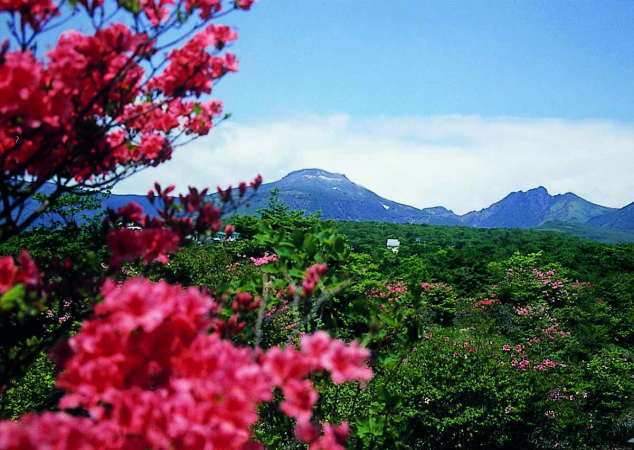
298 237
134 6
269 268
339 245
13 297
310 244
296 273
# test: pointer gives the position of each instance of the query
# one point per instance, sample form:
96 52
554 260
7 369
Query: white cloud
461 162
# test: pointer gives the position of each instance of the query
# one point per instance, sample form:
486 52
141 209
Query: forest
180 324
479 338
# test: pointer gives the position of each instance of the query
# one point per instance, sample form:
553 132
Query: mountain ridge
335 196
619 219
306 189
531 208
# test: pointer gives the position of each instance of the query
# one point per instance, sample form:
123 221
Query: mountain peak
539 193
541 190
324 175
438 210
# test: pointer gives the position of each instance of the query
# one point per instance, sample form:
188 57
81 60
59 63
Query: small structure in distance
393 244
222 236
219 236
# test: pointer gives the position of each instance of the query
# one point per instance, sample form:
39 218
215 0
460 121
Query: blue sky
427 102
529 58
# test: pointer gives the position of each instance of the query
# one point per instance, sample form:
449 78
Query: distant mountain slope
589 231
532 208
113 201
336 197
572 208
117 201
620 219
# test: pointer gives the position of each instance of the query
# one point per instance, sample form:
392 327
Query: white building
393 244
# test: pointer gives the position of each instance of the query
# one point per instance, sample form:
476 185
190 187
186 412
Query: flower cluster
149 118
520 359
552 332
99 106
289 367
552 288
245 301
521 365
151 244
281 308
24 273
264 259
192 70
559 394
36 13
391 292
51 107
522 311
467 347
151 376
313 274
159 235
62 316
545 365
32 12
541 319
397 288
430 287
485 303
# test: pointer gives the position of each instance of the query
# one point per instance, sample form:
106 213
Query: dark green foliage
591 231
35 391
449 319
203 265
72 209
426 397
459 256
71 258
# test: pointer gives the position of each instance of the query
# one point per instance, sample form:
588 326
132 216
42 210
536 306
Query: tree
153 366
99 107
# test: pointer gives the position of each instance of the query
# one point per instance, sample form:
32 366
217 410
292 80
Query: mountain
533 208
439 215
589 231
620 219
336 197
570 207
113 201
117 201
